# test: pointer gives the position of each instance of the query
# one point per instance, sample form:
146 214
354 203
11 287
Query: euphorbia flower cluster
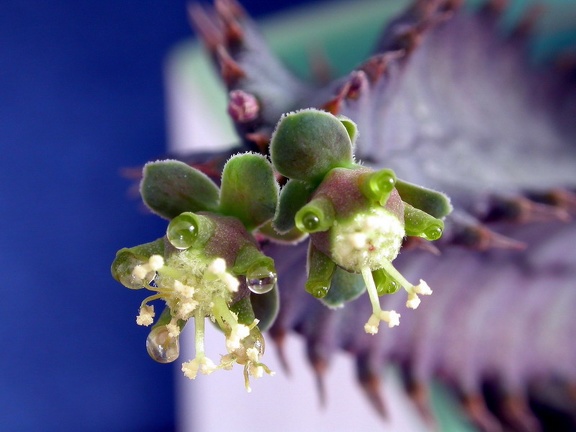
209 263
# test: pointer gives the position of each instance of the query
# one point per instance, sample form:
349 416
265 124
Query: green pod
318 215
420 224
377 186
320 271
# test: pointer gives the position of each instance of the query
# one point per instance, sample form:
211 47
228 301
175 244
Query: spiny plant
447 102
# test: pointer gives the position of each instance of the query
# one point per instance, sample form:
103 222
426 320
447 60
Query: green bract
309 143
356 217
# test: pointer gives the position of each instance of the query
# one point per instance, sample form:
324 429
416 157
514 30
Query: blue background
81 96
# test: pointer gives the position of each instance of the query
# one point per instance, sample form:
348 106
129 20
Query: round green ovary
366 240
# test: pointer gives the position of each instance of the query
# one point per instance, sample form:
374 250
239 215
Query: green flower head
357 218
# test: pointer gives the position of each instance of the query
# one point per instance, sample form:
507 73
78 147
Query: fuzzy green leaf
307 144
293 196
171 187
249 190
430 201
350 127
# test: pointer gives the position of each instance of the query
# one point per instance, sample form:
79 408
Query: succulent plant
449 103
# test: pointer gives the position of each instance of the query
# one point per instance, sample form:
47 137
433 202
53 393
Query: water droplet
182 231
261 280
310 221
123 270
433 232
317 288
161 347
385 284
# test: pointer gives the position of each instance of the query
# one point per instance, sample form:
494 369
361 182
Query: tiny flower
218 266
200 364
173 330
146 315
140 271
422 288
371 326
239 332
413 301
391 317
253 354
156 262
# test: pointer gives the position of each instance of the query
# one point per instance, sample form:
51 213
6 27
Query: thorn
561 198
229 68
349 90
229 12
243 107
476 408
418 392
523 210
377 65
205 26
410 38
279 338
480 238
320 366
260 139
357 81
370 382
517 412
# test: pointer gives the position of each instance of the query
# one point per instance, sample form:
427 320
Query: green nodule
320 271
385 284
317 215
421 224
378 185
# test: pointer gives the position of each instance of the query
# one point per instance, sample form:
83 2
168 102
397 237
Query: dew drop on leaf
261 280
161 346
182 231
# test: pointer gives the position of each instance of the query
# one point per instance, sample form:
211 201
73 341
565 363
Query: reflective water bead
317 288
433 232
261 280
161 347
385 284
123 270
310 221
182 231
